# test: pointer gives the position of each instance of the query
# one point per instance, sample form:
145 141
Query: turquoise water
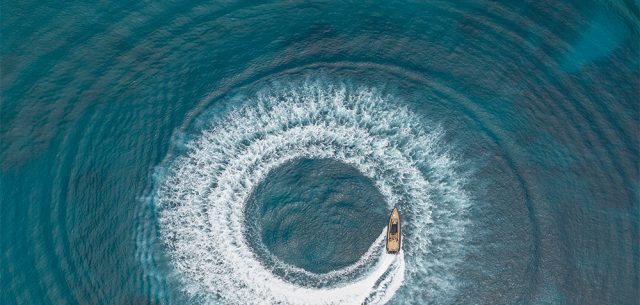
250 153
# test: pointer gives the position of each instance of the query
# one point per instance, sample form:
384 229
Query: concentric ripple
211 182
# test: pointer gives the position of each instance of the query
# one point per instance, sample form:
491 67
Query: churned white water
200 202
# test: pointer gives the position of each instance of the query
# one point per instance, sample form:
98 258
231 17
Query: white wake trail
201 202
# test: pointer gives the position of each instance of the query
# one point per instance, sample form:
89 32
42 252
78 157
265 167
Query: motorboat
393 232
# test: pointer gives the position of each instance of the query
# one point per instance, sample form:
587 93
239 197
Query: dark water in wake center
184 152
317 214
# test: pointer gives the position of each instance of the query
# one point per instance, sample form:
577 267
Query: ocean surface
186 152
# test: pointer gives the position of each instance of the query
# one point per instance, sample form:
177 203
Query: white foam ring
211 183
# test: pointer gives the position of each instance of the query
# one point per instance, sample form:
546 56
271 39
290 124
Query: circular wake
201 200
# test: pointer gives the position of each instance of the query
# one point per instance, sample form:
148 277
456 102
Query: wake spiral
201 199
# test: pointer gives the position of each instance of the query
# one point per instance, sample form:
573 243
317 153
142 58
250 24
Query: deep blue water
239 152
